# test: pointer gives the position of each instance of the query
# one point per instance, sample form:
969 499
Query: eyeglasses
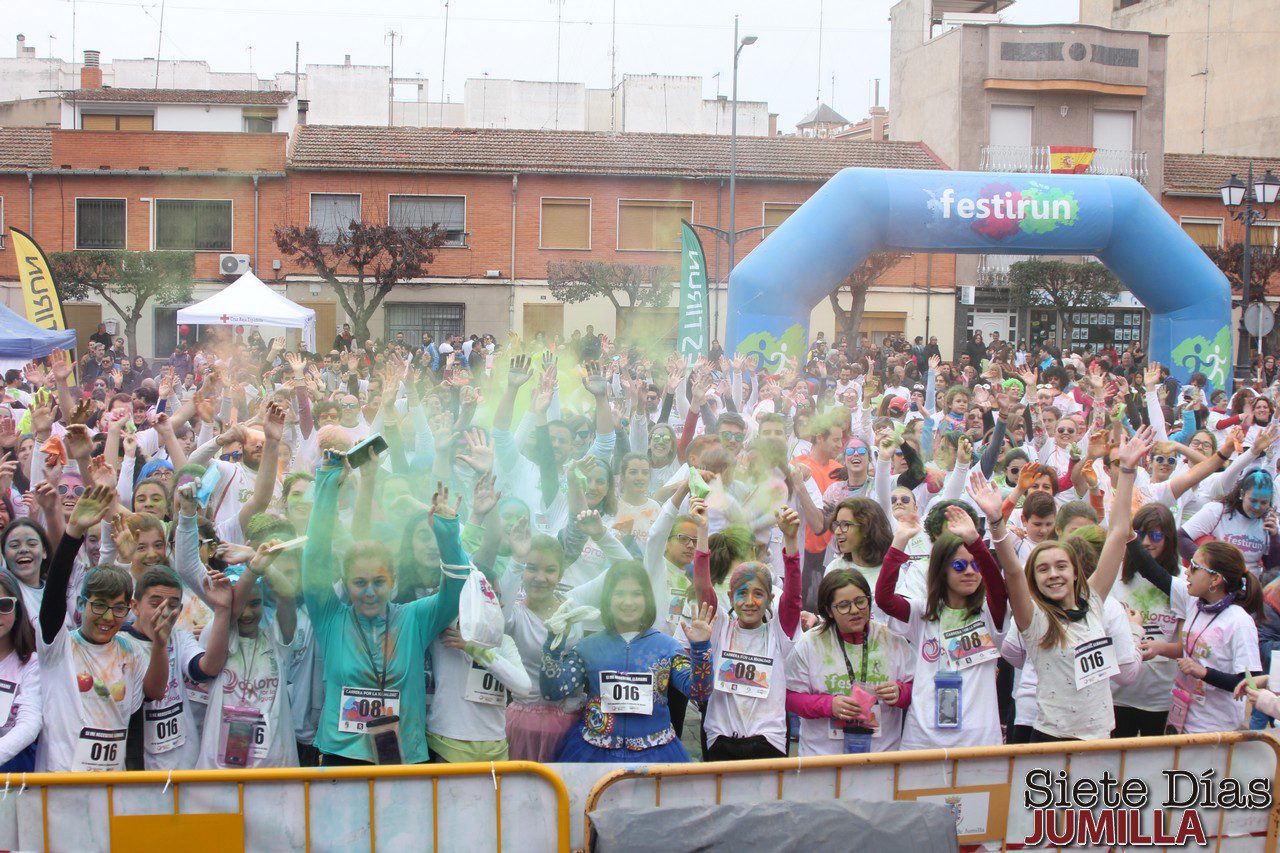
900 500
841 526
846 607
582 434
234 456
8 604
1164 460
684 539
1066 430
64 490
1044 386
855 451
962 566
1156 536
1013 473
730 435
100 608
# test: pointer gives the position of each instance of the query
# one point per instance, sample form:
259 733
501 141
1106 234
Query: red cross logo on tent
224 318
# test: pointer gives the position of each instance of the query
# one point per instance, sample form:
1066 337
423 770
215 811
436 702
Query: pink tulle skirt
534 732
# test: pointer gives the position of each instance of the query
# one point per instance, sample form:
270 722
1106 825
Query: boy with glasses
94 678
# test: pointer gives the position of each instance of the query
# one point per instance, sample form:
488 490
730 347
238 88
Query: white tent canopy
249 302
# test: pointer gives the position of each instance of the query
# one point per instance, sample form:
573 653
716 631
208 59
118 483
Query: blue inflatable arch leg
861 211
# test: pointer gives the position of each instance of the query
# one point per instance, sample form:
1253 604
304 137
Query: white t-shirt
21 725
816 665
1063 710
735 715
87 686
451 714
1155 618
530 634
254 679
1227 642
1234 528
166 746
979 711
641 515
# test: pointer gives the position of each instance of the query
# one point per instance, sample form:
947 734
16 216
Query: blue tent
23 340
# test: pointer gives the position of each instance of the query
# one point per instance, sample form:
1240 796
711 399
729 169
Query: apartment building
989 96
1221 88
510 201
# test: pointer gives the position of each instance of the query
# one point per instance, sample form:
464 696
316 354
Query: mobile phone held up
360 453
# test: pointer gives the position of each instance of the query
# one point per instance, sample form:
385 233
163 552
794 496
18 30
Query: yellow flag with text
44 307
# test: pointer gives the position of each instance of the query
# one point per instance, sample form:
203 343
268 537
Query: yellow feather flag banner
44 307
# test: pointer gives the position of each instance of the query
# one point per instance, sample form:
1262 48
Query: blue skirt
574 748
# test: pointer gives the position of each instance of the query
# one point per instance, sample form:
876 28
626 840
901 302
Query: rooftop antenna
444 51
820 5
392 36
297 57
613 70
160 41
250 50
555 120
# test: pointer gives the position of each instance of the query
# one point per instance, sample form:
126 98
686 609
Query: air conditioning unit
966 294
493 273
233 264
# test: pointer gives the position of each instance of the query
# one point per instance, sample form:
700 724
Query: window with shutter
449 212
776 212
566 223
1206 232
651 226
100 223
193 225
333 213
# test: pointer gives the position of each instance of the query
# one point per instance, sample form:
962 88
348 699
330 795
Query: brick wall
160 150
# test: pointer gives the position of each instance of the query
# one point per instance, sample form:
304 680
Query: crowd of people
261 557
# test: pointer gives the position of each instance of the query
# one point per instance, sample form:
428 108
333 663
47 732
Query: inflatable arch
861 211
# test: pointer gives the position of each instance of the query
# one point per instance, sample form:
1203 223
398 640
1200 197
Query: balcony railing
993 270
1035 158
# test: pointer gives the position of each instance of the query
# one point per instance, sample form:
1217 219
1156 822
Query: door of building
84 318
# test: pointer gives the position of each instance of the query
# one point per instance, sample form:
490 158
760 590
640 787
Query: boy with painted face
94 678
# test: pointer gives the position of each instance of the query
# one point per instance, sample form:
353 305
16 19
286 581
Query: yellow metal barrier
784 768
226 831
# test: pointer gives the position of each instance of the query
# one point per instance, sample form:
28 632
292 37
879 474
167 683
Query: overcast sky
511 39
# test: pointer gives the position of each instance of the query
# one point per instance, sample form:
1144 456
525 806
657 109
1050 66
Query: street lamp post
1256 196
738 45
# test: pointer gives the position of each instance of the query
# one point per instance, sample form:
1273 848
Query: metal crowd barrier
395 796
953 777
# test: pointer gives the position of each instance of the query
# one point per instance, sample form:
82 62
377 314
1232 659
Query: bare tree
1062 287
640 286
376 257
857 285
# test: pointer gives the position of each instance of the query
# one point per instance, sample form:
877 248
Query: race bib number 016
1095 661
626 692
99 749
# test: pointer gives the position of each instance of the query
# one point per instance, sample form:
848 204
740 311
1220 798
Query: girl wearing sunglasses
1062 625
20 674
1220 603
952 661
1143 707
1243 518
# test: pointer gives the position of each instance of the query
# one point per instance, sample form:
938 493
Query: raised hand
595 383
60 365
1028 476
77 442
698 509
42 420
479 455
130 444
960 524
484 497
1134 448
8 432
788 522
273 425
985 496
46 497
440 502
218 590
519 372
519 540
162 623
590 523
7 470
90 509
698 629
1151 376
1265 439
36 374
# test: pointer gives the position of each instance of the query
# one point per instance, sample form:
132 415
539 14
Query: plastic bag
479 613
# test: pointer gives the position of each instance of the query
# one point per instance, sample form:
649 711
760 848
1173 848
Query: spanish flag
1070 160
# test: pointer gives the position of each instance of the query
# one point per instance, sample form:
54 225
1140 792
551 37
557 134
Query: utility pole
444 51
392 35
613 71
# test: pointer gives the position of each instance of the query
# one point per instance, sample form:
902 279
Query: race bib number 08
970 645
359 707
744 675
